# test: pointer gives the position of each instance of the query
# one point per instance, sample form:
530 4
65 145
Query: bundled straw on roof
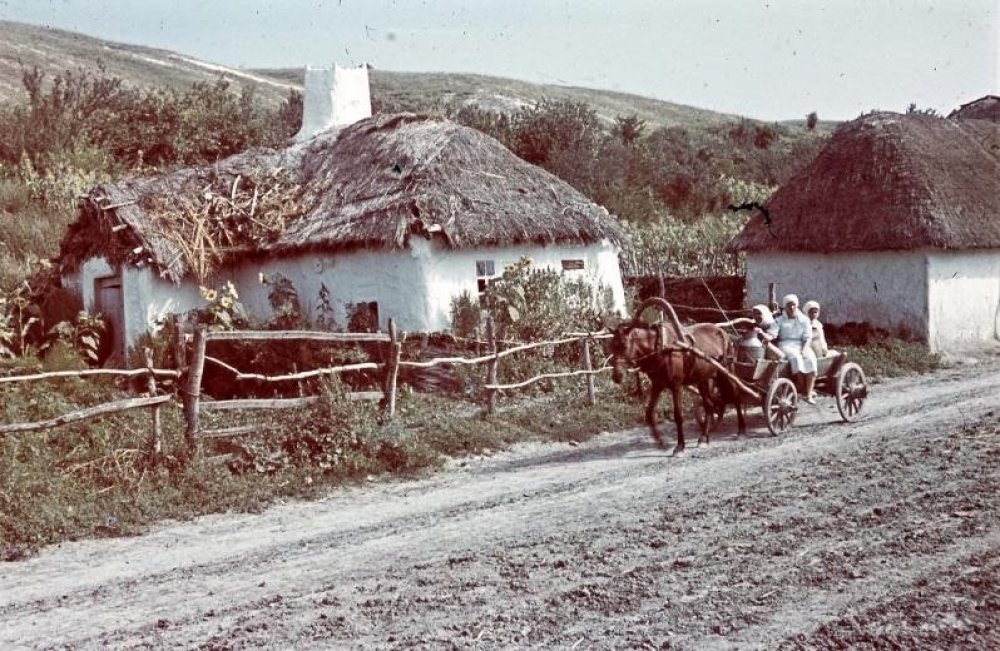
887 181
186 221
374 184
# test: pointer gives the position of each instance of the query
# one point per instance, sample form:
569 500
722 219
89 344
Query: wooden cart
836 377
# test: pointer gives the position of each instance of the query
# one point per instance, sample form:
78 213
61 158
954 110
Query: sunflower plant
223 310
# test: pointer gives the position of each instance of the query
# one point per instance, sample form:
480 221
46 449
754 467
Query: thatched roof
887 181
373 184
984 108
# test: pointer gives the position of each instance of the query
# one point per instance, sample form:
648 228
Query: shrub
284 301
465 315
675 248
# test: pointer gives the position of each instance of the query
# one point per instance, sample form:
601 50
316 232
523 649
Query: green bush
692 249
88 115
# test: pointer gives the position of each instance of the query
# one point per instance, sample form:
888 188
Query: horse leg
709 406
729 393
675 392
735 396
654 397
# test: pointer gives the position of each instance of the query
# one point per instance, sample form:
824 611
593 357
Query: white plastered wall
886 289
964 297
451 272
147 299
415 287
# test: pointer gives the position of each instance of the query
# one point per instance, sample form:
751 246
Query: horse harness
662 350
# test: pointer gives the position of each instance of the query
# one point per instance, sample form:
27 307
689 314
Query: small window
485 272
572 265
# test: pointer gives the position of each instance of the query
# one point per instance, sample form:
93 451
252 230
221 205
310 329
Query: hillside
415 90
54 50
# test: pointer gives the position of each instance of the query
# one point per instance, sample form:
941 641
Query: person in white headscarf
793 333
764 320
818 342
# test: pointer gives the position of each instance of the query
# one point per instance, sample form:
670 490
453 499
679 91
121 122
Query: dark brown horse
664 354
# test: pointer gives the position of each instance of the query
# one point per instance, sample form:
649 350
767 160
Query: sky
769 60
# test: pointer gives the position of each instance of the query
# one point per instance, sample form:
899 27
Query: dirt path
878 532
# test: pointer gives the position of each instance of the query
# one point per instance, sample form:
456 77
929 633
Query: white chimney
332 98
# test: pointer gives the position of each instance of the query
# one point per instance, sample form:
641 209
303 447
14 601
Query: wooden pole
392 369
180 356
83 414
192 393
772 296
588 366
491 366
156 443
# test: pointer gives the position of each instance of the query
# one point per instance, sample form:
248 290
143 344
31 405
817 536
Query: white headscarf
790 298
810 305
766 318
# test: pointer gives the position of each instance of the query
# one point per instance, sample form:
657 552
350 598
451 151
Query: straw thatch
984 108
189 220
373 184
887 182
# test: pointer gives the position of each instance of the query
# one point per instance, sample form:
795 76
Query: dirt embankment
882 532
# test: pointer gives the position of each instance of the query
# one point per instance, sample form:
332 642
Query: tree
913 110
811 121
630 128
555 125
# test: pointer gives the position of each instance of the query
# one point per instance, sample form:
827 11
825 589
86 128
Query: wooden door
109 301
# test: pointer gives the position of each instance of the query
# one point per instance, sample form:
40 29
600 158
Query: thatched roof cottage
895 223
398 212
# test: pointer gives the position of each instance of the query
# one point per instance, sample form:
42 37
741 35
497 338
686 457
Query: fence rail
85 414
190 356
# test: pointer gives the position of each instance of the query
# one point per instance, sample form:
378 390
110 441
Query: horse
674 359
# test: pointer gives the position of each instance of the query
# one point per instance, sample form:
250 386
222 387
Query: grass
95 479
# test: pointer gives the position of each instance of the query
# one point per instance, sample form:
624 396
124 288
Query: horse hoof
659 443
702 443
677 452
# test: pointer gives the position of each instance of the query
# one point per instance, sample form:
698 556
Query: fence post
192 393
156 444
180 348
392 368
588 366
491 366
772 296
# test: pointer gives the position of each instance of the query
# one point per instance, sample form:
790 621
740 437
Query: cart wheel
851 391
781 406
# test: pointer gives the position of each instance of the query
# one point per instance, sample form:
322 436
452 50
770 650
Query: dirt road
879 532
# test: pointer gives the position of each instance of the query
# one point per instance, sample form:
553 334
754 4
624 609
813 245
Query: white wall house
415 287
401 212
896 223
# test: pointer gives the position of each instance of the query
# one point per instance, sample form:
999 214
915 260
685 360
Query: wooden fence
191 366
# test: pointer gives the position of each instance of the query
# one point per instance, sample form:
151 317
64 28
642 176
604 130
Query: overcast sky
773 59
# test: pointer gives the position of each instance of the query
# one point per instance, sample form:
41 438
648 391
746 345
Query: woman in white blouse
793 333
